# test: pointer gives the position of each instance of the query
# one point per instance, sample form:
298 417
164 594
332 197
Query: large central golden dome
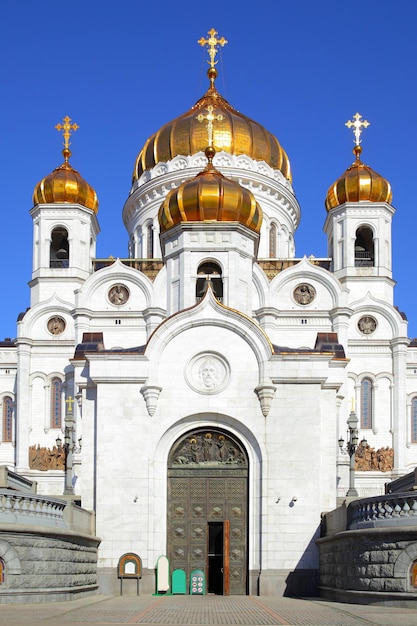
232 132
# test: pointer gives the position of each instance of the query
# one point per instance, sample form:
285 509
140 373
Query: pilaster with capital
399 358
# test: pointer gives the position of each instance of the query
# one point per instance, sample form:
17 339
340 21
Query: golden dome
232 132
210 197
358 184
66 185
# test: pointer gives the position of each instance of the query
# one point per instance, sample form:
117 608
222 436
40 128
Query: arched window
273 241
414 420
209 271
56 403
7 419
59 251
366 403
149 241
364 247
413 574
2 571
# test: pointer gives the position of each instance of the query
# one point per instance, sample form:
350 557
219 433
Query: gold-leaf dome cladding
210 197
234 133
66 185
359 183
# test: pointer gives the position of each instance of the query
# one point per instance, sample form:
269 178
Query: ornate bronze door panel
207 509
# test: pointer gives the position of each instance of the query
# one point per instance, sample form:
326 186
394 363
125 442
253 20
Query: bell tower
358 225
65 228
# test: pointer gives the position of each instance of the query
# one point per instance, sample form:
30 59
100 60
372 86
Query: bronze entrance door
207 509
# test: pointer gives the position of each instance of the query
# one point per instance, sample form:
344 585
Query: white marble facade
276 363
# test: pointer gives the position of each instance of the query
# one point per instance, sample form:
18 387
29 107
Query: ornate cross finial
70 402
212 44
66 129
210 117
357 125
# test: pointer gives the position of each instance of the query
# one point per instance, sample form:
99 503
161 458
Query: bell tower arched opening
209 270
364 247
208 509
59 250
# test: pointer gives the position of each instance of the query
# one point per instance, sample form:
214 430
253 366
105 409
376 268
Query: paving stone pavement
204 610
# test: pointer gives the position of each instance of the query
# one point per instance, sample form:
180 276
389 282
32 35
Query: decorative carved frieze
368 459
207 448
45 459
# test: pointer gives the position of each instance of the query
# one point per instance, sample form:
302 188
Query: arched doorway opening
208 509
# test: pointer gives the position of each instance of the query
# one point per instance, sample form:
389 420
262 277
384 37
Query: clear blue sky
123 69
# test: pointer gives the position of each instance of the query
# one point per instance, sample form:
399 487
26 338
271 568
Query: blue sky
123 69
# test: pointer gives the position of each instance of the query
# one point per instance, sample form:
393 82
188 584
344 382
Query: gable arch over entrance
207 512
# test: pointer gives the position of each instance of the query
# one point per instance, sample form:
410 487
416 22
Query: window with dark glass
273 241
7 419
414 420
366 403
56 403
149 242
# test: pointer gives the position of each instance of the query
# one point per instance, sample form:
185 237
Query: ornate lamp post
69 446
351 447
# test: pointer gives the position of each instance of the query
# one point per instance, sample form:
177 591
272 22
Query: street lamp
351 447
69 448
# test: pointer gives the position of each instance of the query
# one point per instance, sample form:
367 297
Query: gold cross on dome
66 129
210 117
357 124
212 44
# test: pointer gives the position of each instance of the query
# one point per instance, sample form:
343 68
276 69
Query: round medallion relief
56 325
207 373
367 325
304 293
118 294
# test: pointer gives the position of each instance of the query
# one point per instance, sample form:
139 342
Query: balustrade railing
31 509
382 511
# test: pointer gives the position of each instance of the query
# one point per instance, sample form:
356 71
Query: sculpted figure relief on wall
367 325
304 293
207 448
46 458
369 459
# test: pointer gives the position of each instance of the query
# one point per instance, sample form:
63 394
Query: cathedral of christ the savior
202 384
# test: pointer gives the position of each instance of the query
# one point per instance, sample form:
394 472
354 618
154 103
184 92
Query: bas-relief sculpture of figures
44 459
207 448
369 459
304 293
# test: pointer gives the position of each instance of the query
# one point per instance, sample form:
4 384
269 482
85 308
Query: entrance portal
207 509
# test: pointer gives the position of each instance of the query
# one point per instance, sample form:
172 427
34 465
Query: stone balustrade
48 548
368 549
383 511
36 510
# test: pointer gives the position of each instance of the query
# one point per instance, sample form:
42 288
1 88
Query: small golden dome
358 184
65 184
233 132
210 197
